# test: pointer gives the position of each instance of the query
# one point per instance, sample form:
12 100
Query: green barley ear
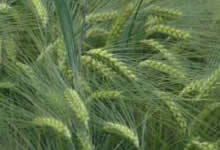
122 131
196 144
176 33
84 141
119 23
109 59
57 125
46 52
193 86
163 68
166 13
61 54
105 95
93 32
41 11
67 73
175 109
153 20
157 46
82 117
209 83
88 63
101 17
96 37
202 86
177 114
77 105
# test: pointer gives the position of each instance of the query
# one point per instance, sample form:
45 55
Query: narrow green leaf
67 29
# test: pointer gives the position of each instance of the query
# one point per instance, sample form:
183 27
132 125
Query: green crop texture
109 75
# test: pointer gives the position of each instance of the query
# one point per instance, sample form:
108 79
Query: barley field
109 75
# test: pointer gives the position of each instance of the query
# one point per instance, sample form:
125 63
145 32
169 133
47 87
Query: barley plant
109 75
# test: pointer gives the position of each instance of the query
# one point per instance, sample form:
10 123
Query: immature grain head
101 17
156 45
119 23
46 52
93 32
61 53
122 131
177 113
166 13
163 68
153 20
193 86
176 33
102 70
57 125
105 95
109 59
195 143
77 105
41 11
175 109
209 83
84 140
